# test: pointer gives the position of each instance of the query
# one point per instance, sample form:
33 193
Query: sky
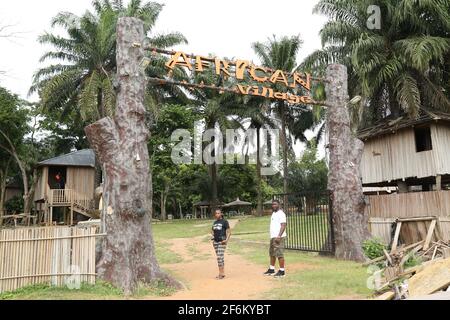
225 28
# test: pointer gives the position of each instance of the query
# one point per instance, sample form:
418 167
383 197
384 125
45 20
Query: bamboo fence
51 255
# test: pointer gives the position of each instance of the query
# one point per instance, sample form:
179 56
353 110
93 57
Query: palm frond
408 94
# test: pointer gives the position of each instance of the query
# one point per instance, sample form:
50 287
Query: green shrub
373 248
14 205
413 260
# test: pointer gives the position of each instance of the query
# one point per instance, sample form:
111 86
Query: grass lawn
163 231
181 229
164 254
312 276
99 291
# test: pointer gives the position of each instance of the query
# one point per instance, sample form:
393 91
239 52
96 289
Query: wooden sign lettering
243 69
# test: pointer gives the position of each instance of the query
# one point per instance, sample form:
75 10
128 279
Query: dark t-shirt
220 230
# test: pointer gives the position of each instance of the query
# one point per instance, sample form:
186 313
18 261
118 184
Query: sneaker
280 274
269 272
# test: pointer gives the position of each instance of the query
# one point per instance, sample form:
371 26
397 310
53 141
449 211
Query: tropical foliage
84 77
281 54
399 68
19 148
309 174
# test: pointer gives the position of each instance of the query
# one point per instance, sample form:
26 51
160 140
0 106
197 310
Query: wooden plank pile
417 238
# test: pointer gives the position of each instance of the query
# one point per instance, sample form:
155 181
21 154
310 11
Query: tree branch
19 162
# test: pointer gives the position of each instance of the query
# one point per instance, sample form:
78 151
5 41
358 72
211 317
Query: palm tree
281 54
399 68
84 77
255 113
217 109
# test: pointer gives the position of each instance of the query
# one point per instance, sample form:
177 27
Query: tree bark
150 192
181 211
3 177
344 179
13 152
259 200
28 198
120 143
164 195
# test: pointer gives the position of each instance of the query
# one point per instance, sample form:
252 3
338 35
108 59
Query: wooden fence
382 228
412 204
53 255
384 209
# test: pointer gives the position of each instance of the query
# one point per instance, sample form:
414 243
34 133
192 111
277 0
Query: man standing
60 181
277 237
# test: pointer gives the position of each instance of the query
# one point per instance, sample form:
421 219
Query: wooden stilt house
65 190
411 159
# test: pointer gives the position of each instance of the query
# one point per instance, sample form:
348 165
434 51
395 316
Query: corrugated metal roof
81 158
390 125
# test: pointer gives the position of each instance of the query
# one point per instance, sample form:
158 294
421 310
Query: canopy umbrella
238 203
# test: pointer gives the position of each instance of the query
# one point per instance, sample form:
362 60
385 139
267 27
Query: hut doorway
53 173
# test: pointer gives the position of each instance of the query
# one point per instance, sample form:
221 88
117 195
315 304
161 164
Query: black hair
276 201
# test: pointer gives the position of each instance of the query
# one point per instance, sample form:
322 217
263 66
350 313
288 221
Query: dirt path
244 280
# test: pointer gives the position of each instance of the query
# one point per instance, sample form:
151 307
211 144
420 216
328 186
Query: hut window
423 139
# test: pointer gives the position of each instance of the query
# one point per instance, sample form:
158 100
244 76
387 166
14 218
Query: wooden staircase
70 199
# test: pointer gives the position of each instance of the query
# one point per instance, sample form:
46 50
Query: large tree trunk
128 251
344 179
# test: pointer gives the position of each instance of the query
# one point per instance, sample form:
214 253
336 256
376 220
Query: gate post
120 143
344 179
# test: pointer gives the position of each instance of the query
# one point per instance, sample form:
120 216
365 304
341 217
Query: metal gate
309 221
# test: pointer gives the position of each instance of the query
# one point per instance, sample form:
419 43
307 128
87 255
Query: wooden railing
84 203
68 197
60 196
